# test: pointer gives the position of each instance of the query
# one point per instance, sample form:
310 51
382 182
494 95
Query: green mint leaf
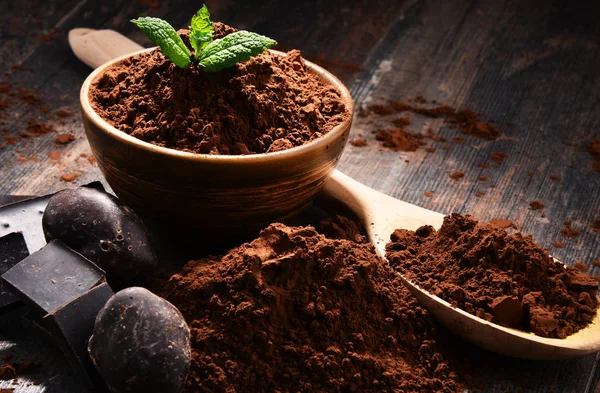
164 35
201 31
233 48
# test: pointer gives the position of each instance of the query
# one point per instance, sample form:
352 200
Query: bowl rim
123 137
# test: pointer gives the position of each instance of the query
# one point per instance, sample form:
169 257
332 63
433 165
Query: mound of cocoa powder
503 278
295 311
266 104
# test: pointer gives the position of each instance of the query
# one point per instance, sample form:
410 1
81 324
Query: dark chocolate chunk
102 229
12 250
25 216
52 277
136 321
72 325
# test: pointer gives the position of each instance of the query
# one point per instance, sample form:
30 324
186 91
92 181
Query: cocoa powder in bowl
503 278
266 104
294 311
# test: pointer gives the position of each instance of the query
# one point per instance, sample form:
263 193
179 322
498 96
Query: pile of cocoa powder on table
297 311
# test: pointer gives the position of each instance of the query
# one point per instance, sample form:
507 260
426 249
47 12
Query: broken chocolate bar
72 325
12 250
52 276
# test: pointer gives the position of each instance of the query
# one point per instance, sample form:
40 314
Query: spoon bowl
216 193
383 214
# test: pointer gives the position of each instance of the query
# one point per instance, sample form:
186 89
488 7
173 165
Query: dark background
535 64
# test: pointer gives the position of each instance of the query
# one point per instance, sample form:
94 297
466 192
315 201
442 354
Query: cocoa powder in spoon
500 277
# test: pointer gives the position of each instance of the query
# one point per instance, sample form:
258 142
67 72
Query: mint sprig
233 48
165 36
211 55
201 31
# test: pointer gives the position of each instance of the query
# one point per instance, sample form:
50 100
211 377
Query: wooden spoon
382 215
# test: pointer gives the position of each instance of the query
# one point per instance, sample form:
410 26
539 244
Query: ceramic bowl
213 191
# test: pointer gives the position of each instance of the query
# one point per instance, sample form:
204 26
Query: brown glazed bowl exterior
213 191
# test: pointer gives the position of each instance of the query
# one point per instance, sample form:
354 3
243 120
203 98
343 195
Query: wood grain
534 63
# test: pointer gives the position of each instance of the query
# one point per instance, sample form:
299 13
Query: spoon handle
96 47
380 213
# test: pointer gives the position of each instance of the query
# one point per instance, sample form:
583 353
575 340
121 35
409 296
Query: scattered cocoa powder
64 139
28 96
457 175
7 390
69 177
558 244
536 205
479 194
266 104
63 113
295 311
596 262
36 128
428 194
378 109
555 177
398 139
401 122
466 120
5 88
503 278
569 231
482 178
498 156
594 150
596 226
359 142
10 140
582 267
502 223
54 155
470 124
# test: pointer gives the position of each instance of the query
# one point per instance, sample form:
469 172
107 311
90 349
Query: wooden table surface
534 64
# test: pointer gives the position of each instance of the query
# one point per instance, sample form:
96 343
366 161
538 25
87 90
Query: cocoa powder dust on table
536 205
500 277
64 139
69 177
457 175
294 311
569 231
266 104
36 128
502 223
466 120
594 150
596 226
398 139
359 142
